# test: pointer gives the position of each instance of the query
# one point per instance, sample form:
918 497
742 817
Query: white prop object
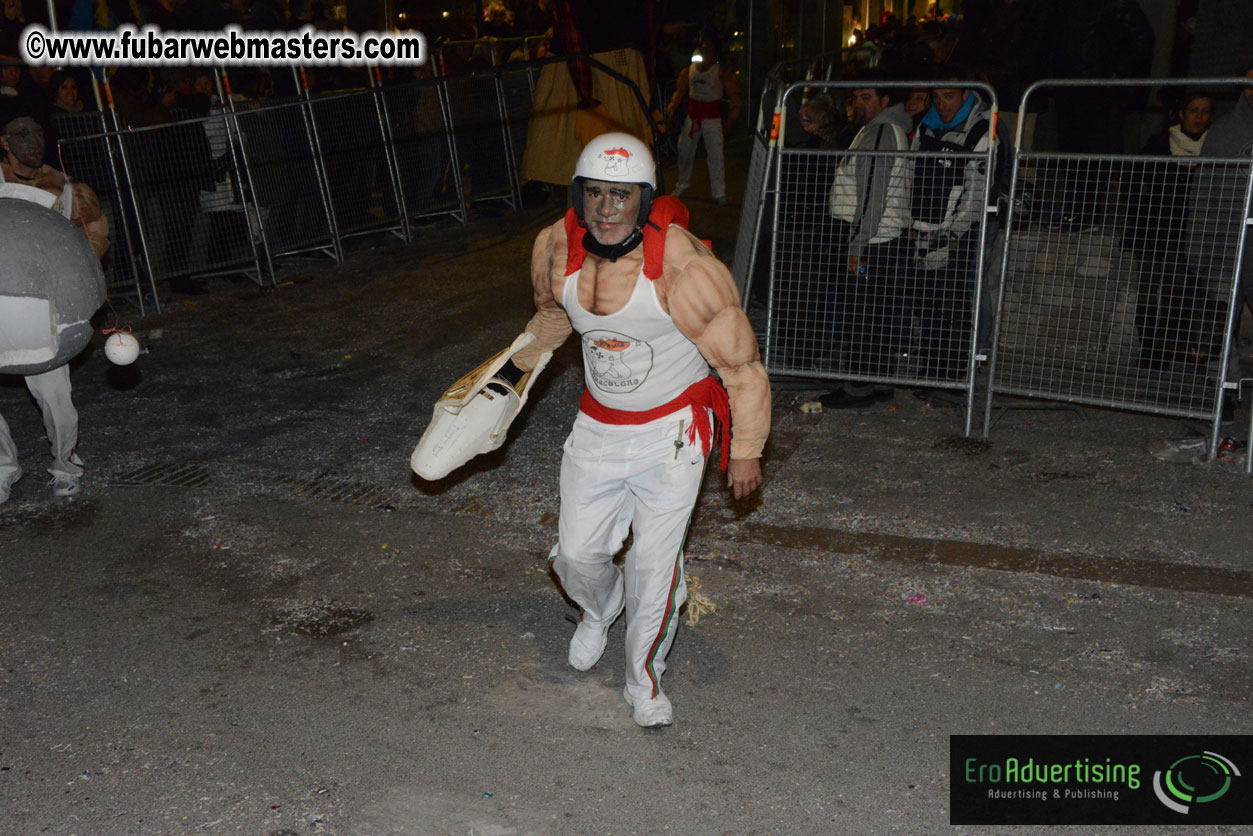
471 419
121 349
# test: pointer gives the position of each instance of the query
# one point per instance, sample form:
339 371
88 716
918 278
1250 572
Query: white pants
52 393
711 131
615 478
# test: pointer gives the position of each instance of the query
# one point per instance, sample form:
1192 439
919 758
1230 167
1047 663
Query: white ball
121 348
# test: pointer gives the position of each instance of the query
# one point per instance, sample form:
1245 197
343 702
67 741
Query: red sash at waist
700 111
706 393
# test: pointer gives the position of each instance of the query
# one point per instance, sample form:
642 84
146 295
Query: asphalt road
254 621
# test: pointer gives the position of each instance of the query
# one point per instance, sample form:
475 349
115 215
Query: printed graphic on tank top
634 359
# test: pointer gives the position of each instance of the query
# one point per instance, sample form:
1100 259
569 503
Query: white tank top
634 359
706 86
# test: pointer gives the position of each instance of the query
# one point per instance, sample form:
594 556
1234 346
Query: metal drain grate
177 475
343 491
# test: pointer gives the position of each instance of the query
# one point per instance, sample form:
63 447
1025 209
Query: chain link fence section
422 143
356 158
185 199
877 251
1119 276
288 192
85 154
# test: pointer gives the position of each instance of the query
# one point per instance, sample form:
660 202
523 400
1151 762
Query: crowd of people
900 289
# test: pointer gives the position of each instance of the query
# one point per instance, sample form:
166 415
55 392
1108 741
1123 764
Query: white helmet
617 158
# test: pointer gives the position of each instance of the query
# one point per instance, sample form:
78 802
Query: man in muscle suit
655 310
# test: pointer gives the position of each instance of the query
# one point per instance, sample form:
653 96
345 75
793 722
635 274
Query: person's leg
711 129
665 493
10 470
595 518
52 393
687 156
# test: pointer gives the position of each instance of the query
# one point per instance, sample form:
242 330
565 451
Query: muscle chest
604 287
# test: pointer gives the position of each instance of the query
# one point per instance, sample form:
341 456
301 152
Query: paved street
254 620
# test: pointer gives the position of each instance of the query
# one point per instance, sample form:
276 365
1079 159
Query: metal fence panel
190 210
1118 277
517 88
754 209
423 148
84 154
356 160
889 302
286 183
479 133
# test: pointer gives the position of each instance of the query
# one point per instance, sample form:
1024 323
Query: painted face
948 102
917 102
867 104
611 210
24 140
1197 115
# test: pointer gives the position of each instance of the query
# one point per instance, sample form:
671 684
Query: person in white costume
704 85
655 310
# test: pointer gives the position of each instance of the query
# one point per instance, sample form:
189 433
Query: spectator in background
1218 211
947 208
703 85
63 89
1158 193
869 201
10 78
12 22
915 105
823 121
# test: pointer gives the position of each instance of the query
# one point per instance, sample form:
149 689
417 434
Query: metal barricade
876 259
286 181
188 200
426 161
85 154
1119 271
357 161
483 150
755 207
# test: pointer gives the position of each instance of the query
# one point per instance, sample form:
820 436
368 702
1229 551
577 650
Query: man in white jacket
870 199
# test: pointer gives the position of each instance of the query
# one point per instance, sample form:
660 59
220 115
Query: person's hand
744 476
855 264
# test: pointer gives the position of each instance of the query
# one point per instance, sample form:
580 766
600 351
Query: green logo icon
1194 779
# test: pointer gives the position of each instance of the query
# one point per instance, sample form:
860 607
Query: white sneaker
650 713
67 484
587 645
6 486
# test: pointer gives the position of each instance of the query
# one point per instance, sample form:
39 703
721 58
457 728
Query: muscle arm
680 92
705 307
550 325
91 218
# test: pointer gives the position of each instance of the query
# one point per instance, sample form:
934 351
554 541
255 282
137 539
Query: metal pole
389 150
319 165
445 105
233 133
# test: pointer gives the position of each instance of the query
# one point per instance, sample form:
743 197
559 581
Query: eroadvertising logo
1100 779
1211 772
